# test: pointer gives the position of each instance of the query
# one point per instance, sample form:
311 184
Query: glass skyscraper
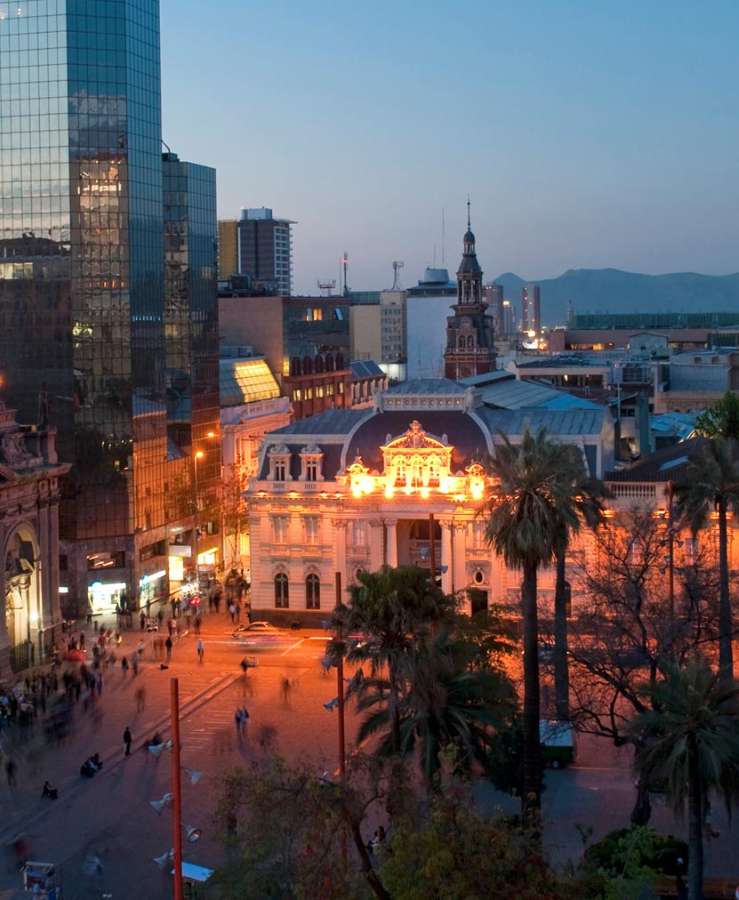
82 278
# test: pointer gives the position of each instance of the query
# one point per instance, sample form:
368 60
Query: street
109 817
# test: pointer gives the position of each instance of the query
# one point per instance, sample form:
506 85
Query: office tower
228 248
191 317
493 294
530 308
82 340
470 348
266 250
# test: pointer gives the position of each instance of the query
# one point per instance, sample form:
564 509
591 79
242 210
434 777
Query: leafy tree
624 629
690 742
444 704
721 420
629 860
586 495
458 853
285 831
527 513
712 483
392 609
234 511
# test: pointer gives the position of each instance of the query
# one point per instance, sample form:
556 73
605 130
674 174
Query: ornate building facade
355 489
29 541
470 346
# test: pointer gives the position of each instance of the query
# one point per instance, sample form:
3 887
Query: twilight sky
588 134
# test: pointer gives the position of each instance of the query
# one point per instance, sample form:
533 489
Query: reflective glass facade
191 313
82 260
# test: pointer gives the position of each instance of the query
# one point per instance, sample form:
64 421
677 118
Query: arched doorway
23 612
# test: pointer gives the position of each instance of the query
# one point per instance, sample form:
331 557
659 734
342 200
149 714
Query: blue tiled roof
567 422
333 421
428 386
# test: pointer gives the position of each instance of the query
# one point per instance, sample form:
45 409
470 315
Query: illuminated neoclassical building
354 489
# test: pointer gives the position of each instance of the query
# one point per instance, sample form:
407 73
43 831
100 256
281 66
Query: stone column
376 560
459 571
391 537
446 555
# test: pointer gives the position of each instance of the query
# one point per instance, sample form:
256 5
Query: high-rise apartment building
266 250
82 281
530 308
228 248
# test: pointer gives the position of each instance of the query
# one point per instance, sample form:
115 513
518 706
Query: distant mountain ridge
613 290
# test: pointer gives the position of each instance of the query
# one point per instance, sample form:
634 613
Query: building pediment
415 438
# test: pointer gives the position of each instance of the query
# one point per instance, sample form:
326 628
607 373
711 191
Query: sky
587 134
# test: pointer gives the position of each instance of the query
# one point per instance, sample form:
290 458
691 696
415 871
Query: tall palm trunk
394 707
561 668
531 746
725 650
695 824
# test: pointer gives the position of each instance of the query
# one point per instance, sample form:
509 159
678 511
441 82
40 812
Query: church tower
470 346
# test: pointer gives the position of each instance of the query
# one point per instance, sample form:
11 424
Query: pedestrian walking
140 648
170 626
140 696
142 620
198 622
232 612
124 665
240 722
168 647
82 640
135 664
127 740
200 647
10 769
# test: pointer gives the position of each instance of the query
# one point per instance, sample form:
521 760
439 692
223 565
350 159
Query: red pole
176 790
432 546
340 689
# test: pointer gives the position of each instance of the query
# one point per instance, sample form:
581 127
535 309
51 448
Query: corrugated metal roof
428 386
333 421
487 378
571 422
519 394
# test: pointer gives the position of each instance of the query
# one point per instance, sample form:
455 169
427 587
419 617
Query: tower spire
469 228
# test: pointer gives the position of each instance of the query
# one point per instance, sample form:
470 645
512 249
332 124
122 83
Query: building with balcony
353 489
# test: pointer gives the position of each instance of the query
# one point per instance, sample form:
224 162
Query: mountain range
613 290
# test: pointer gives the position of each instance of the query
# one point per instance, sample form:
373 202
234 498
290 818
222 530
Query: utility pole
432 546
176 790
340 689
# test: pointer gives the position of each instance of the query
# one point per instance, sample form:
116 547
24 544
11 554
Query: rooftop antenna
397 266
345 264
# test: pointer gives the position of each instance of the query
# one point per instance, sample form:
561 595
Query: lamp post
198 455
176 790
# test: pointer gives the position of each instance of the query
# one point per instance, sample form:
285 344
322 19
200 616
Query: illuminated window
251 379
312 592
280 470
282 591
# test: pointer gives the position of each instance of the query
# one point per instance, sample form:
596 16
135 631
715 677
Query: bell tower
470 346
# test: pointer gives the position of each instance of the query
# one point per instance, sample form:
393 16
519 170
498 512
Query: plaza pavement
110 817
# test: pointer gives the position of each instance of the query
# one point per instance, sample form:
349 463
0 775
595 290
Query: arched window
461 343
470 342
282 595
312 592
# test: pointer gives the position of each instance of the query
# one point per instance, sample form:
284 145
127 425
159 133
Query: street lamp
196 457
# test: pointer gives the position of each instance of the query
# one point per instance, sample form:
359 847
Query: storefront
106 597
152 587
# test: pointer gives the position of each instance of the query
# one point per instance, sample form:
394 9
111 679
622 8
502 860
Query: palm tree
526 516
392 609
586 494
444 704
712 483
691 744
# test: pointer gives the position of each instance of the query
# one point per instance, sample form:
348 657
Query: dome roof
465 434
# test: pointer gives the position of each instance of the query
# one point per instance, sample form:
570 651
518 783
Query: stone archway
22 601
